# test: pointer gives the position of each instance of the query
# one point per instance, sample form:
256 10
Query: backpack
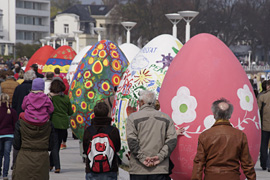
101 150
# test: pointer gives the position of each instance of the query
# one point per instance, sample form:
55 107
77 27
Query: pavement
72 166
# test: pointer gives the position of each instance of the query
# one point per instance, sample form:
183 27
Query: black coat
100 123
20 92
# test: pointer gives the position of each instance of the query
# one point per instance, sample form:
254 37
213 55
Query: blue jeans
264 149
101 176
5 148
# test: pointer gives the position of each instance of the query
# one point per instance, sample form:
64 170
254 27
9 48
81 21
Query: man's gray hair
148 97
220 113
29 75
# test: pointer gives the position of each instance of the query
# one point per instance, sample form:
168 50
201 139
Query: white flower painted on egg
209 121
183 105
246 98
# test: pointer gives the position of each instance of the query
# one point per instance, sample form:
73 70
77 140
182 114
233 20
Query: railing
257 68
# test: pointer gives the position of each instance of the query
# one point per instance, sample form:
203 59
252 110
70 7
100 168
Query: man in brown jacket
9 85
151 139
222 148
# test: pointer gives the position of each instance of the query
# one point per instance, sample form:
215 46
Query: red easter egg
40 57
203 71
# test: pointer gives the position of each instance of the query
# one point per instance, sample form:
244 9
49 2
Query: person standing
32 143
8 118
48 81
222 148
34 67
59 118
9 85
99 124
151 138
22 90
264 104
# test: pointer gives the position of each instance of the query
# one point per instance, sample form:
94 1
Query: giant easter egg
146 71
61 58
203 71
74 64
130 50
97 74
40 57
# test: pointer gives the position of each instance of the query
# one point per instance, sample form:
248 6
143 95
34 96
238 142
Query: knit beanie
38 84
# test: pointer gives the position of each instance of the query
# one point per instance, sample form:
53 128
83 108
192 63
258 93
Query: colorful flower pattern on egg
203 71
99 71
146 71
61 58
74 64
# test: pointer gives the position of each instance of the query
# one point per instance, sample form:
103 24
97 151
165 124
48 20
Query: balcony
28 27
33 12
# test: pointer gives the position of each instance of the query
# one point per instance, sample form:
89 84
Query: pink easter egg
203 71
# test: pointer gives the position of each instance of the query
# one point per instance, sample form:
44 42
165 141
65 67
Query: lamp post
128 26
48 38
249 58
188 16
43 41
53 39
77 33
175 18
99 30
64 37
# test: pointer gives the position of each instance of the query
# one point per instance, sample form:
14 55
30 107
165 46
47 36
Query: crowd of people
34 117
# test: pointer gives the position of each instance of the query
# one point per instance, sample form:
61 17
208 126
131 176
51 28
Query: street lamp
64 37
188 16
249 58
128 26
175 18
99 30
53 39
77 33
48 38
43 41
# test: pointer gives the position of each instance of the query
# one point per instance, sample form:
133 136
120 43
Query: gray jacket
150 133
264 107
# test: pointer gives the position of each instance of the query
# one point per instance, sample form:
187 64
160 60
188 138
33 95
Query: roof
100 9
86 11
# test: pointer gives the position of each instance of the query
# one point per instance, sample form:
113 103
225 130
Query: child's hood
38 99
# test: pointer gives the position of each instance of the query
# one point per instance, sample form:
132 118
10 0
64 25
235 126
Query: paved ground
72 166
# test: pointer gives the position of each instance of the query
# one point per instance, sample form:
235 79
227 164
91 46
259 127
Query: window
19 4
37 6
19 35
70 43
28 20
19 19
1 20
28 35
66 28
28 5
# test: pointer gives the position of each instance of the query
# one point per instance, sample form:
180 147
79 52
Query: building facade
23 21
84 19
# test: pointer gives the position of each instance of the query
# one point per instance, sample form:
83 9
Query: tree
150 16
61 5
26 49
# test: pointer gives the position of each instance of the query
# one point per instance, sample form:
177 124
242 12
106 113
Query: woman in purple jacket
8 118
